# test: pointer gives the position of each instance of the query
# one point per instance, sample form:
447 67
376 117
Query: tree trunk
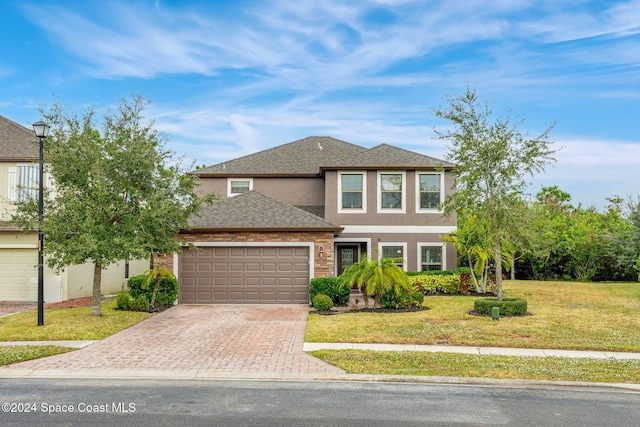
155 292
513 268
473 274
97 284
498 256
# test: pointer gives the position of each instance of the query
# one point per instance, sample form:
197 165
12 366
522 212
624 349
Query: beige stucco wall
75 281
6 209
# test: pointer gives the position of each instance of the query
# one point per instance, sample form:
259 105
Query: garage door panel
18 274
254 275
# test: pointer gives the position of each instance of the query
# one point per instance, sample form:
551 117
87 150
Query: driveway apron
200 341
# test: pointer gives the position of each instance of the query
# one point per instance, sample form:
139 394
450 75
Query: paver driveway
197 340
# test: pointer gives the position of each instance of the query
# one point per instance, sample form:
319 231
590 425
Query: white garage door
18 275
244 275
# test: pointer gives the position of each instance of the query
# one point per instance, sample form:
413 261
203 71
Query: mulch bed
343 310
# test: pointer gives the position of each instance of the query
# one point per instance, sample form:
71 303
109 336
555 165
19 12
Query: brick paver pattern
205 338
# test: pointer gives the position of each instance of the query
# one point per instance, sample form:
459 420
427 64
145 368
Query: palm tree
375 278
155 276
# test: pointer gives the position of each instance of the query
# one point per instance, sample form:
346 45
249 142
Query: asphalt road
71 402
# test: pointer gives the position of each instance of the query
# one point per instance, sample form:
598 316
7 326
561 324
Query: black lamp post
41 130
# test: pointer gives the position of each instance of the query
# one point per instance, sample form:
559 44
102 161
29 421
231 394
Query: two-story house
308 209
19 180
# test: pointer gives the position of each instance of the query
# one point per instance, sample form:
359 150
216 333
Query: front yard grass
18 353
68 324
61 324
482 366
564 315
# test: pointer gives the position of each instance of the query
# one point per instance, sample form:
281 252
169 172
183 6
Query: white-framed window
429 191
431 256
394 250
237 186
24 180
392 196
352 192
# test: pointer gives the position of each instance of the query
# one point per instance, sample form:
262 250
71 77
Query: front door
347 255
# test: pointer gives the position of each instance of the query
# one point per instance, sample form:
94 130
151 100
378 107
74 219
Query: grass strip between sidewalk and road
22 353
482 366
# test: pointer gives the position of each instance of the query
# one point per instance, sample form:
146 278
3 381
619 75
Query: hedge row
433 284
508 306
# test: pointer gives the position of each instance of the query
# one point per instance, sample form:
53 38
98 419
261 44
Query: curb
200 374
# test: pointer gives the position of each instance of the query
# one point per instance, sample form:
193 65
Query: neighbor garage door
249 275
18 275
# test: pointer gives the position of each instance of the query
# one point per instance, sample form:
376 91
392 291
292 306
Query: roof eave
250 175
260 229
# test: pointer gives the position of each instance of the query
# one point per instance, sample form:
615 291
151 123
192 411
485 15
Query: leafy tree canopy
493 158
118 194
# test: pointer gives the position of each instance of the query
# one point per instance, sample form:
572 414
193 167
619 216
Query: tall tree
119 194
492 158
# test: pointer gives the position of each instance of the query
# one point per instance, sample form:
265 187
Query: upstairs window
352 190
239 186
391 196
24 182
430 191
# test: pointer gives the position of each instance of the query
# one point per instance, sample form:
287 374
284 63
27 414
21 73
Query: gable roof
17 143
253 210
301 157
389 157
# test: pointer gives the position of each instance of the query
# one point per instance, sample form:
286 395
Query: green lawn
563 315
483 366
61 324
18 353
68 324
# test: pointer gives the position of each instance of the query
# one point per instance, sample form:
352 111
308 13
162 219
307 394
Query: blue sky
228 78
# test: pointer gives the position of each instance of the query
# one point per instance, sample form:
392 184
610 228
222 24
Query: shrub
123 302
406 299
139 303
167 292
331 287
508 306
322 302
433 284
430 273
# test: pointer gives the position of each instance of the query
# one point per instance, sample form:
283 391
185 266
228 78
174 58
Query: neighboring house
19 177
308 209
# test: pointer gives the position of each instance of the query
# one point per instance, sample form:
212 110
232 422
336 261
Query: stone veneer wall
323 266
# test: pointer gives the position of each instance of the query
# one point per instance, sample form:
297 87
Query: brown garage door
244 275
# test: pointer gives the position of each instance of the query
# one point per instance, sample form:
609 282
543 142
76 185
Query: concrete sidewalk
311 346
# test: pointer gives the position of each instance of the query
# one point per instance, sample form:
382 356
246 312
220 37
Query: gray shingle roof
17 143
302 157
388 156
253 210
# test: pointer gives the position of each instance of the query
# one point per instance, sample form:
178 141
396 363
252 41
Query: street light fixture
41 130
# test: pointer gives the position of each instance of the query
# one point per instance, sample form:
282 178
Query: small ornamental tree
119 193
376 278
492 158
